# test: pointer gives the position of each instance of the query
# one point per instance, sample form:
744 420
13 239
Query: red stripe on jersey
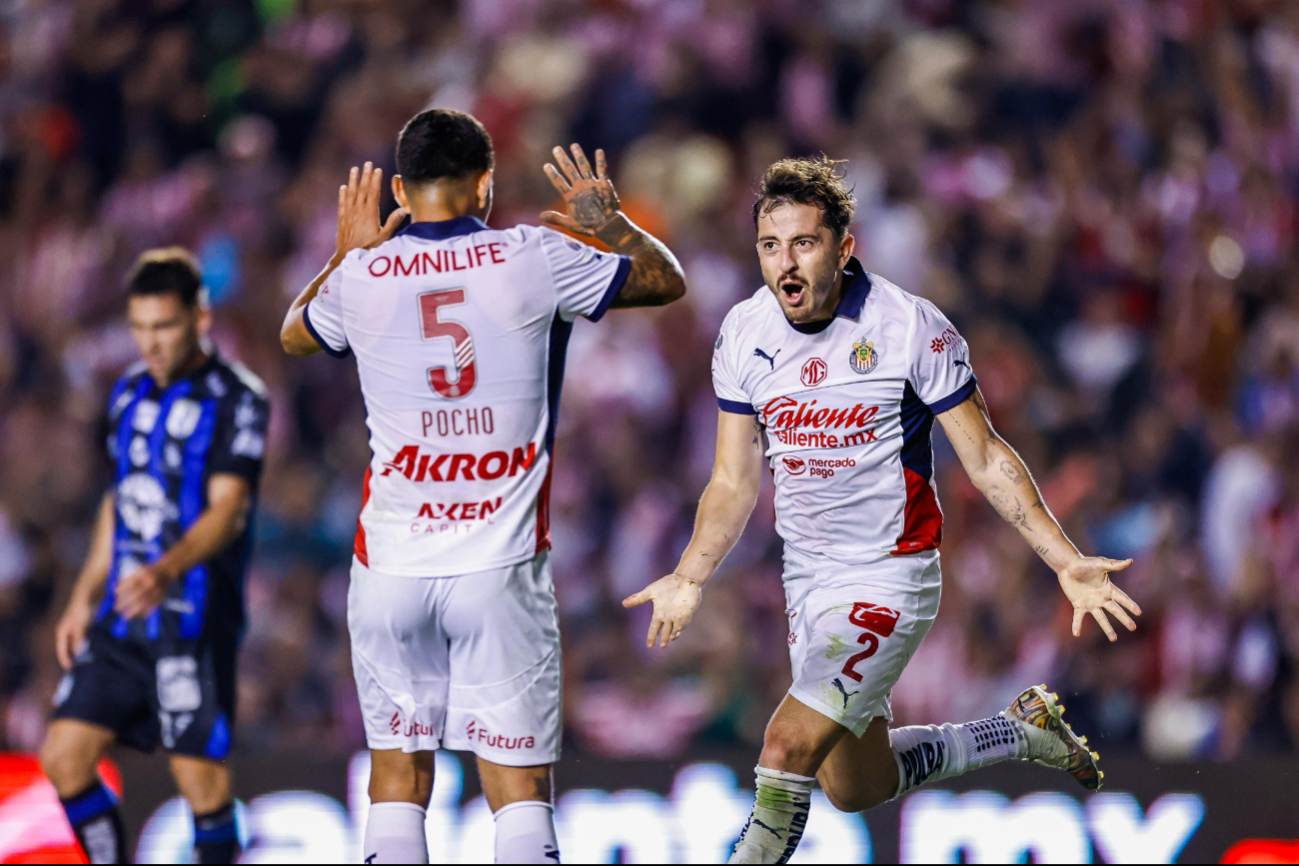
543 512
922 523
358 546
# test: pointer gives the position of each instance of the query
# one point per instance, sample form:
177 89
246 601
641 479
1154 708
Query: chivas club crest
864 358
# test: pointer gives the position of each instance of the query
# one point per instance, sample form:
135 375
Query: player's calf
520 800
205 785
861 772
401 784
68 756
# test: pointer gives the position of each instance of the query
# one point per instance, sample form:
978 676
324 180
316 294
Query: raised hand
589 196
676 598
358 212
1086 583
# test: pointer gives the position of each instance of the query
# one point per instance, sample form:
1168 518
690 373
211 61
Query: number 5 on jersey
434 325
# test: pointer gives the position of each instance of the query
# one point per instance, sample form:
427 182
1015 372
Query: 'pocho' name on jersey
847 405
459 332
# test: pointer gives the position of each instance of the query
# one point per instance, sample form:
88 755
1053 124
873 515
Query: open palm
1086 583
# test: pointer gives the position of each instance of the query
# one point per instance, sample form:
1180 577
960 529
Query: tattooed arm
724 510
656 277
1002 477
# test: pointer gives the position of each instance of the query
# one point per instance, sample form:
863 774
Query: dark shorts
183 698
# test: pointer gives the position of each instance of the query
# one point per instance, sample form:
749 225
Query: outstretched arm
1002 477
656 277
724 509
358 228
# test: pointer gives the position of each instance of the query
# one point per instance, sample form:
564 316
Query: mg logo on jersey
813 372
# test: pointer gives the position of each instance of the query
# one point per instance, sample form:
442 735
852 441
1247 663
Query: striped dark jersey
164 444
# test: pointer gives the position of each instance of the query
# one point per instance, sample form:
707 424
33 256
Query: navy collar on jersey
856 286
443 229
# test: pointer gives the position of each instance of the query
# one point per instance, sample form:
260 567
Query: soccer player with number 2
836 376
459 333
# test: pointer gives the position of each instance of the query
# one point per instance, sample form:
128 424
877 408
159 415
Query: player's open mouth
793 292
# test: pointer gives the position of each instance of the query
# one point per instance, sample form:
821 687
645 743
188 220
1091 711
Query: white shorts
853 628
469 663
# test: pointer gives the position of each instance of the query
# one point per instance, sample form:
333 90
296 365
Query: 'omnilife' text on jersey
419 466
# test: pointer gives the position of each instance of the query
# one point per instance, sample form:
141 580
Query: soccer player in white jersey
459 333
835 376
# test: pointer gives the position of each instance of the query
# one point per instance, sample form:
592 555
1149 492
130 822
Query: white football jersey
847 405
459 333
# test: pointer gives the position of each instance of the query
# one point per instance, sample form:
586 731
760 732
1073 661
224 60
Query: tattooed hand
590 198
656 277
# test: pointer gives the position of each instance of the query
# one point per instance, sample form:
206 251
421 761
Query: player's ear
399 192
846 247
485 191
203 312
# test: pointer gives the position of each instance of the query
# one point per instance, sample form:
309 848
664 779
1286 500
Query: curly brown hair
808 180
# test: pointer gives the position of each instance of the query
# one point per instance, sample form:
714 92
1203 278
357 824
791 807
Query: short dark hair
442 143
808 180
168 270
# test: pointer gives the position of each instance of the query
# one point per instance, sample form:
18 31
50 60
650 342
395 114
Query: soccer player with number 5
835 376
459 333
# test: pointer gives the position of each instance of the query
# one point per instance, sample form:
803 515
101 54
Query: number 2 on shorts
432 326
874 618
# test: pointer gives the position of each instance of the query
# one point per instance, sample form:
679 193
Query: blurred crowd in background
1101 194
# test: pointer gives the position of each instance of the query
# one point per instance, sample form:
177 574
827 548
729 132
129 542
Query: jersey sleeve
323 316
726 378
239 442
586 279
940 361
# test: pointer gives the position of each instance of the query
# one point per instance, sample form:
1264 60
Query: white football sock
779 815
394 833
525 833
928 753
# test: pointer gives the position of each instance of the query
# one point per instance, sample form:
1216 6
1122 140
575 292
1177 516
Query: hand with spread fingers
589 195
1086 583
676 598
358 212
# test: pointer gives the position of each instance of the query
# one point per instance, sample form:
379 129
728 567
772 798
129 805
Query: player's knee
401 778
854 797
205 785
784 749
66 767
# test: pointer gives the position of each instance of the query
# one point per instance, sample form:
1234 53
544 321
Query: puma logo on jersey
770 359
779 834
846 695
